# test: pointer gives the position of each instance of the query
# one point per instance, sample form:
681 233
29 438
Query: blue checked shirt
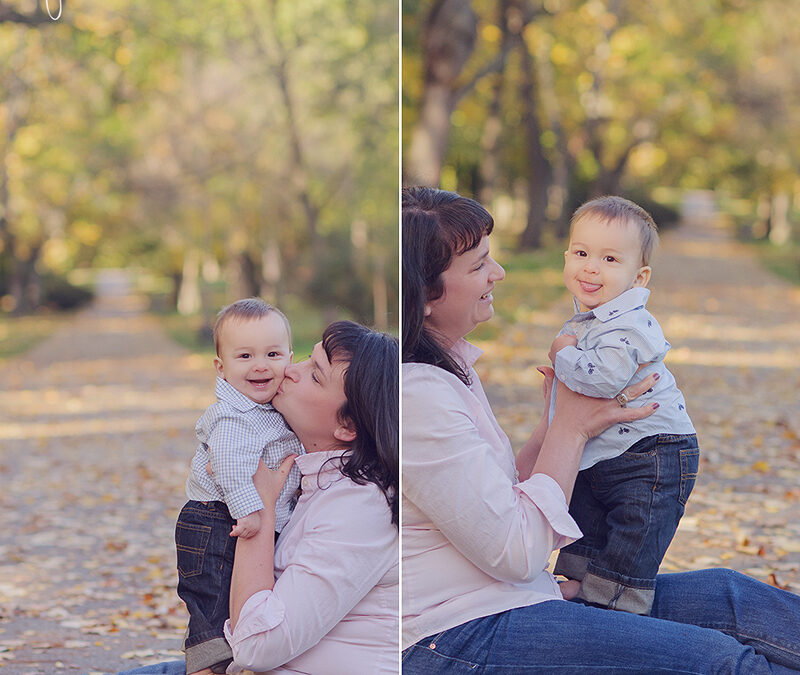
614 339
234 433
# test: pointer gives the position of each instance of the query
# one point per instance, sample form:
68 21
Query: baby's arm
247 526
604 370
235 449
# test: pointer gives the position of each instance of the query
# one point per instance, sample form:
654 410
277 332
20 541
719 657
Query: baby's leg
645 490
590 515
205 565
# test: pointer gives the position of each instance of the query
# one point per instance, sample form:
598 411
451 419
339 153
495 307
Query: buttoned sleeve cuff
548 497
244 501
603 379
262 612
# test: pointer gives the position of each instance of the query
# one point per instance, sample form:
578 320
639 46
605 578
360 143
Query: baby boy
635 478
253 345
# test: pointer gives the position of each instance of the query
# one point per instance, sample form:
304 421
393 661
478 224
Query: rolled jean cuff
636 597
571 565
207 654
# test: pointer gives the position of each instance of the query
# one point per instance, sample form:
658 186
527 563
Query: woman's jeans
164 668
710 621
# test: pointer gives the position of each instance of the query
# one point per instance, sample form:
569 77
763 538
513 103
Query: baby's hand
559 343
247 526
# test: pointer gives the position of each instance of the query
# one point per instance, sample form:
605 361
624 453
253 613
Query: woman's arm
455 472
344 546
529 452
253 565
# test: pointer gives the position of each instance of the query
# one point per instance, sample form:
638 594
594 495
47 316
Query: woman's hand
269 482
591 416
577 419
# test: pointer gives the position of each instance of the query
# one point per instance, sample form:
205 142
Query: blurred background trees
220 149
534 106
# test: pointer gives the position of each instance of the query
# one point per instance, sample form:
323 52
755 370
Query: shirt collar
466 352
232 396
312 462
631 299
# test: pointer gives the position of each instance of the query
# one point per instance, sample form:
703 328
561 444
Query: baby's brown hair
244 310
617 209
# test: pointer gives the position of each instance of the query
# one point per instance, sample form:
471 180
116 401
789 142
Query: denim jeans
163 668
205 565
628 509
708 621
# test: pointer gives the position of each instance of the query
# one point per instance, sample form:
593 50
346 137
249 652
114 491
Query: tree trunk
538 167
558 190
448 41
271 272
493 128
189 290
380 295
780 230
299 169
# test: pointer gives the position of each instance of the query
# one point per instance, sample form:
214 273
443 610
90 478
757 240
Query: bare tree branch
9 14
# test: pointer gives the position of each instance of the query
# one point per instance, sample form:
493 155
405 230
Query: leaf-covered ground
735 335
96 433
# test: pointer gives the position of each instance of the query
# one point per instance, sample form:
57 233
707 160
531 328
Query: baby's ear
643 276
291 356
218 366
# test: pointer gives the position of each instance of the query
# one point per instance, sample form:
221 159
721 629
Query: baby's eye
581 254
244 356
610 258
314 377
273 355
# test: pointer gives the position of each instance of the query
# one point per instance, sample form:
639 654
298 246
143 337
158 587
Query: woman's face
467 297
309 398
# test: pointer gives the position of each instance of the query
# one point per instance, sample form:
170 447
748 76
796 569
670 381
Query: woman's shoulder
436 399
362 506
422 376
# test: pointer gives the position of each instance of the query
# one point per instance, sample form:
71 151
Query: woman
325 599
479 525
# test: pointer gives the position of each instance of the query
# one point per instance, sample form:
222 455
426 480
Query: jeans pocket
690 464
191 541
429 655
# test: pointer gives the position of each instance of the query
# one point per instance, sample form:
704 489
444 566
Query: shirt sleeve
604 370
235 448
341 556
453 474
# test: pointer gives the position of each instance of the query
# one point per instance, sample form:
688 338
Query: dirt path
96 432
735 333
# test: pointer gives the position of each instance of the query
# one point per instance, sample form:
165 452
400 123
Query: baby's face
603 261
253 355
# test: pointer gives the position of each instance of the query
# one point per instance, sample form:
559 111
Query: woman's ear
642 276
344 433
426 310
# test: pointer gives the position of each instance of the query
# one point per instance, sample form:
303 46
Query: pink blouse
475 541
334 608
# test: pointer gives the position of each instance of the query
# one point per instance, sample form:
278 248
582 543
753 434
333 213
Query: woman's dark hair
437 226
371 388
